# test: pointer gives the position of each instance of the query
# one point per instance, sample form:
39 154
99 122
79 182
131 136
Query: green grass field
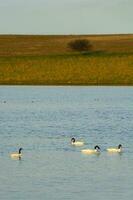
47 60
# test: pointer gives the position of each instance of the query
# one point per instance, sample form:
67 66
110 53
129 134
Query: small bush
80 45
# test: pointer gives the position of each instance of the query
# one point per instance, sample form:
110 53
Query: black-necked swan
76 143
115 150
92 151
16 154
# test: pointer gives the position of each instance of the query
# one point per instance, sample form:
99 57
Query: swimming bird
17 155
115 150
76 143
96 150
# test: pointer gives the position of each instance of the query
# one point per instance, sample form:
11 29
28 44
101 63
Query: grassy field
47 60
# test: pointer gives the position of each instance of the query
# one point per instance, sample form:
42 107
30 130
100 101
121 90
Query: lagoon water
42 120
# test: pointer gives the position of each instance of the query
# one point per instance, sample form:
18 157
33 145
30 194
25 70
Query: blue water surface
42 121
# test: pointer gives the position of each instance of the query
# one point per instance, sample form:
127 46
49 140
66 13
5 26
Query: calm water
42 120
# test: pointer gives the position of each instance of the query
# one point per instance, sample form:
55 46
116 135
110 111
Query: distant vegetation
47 60
81 45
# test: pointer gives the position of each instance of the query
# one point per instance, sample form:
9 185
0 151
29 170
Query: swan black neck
97 148
20 150
119 146
73 140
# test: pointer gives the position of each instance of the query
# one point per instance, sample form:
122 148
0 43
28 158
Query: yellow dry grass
46 60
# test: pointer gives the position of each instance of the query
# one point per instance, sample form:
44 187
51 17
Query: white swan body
89 151
16 155
76 143
96 150
115 150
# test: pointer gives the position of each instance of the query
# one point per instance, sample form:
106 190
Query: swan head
20 149
73 140
119 146
97 148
